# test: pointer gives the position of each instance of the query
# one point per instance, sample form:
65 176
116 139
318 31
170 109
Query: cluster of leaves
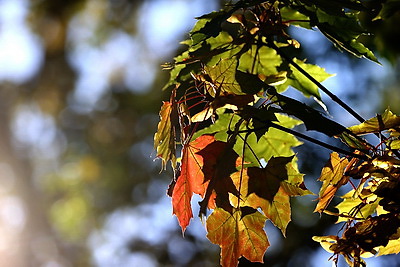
371 210
228 129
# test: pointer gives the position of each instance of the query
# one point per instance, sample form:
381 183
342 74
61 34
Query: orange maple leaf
332 177
238 234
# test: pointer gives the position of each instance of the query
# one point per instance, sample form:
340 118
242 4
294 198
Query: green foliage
237 138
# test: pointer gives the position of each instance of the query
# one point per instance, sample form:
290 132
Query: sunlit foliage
228 131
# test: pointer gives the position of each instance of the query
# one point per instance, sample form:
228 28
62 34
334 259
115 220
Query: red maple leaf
220 161
191 180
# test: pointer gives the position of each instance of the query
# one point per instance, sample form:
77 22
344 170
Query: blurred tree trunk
27 235
34 243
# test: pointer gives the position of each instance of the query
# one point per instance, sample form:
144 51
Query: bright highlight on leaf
333 178
386 121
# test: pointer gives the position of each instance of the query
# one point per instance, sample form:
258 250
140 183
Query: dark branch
312 79
308 138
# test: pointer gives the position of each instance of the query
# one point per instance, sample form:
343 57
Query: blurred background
80 90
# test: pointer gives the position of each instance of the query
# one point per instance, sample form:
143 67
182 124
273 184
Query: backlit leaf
357 207
191 180
263 60
180 71
294 17
326 241
353 142
394 144
332 177
266 192
274 143
208 25
223 77
376 124
269 188
238 234
343 31
393 247
215 49
300 82
220 127
164 138
219 161
294 185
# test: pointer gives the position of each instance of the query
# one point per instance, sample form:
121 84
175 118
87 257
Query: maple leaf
269 188
219 162
238 234
387 120
298 81
164 138
332 177
374 231
357 205
191 180
268 194
221 77
294 185
261 60
326 242
273 143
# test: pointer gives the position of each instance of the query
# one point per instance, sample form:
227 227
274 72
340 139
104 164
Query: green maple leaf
179 70
295 17
343 31
274 143
263 60
238 234
214 49
300 82
220 127
222 77
208 25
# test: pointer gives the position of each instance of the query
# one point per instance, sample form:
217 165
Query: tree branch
308 138
317 83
